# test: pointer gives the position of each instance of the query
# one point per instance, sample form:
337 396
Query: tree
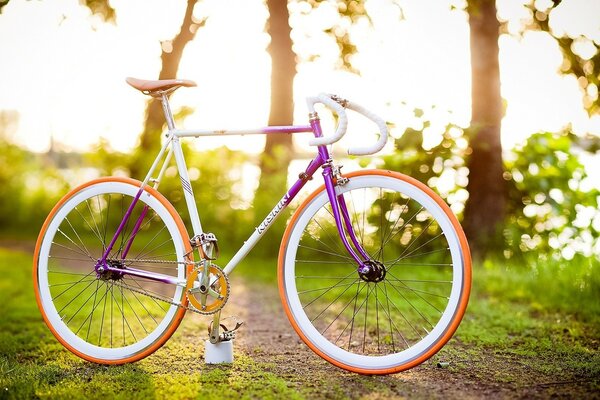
485 208
278 148
172 52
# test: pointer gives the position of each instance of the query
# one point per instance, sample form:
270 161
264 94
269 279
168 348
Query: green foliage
217 181
13 161
29 188
216 177
553 208
269 192
107 160
441 166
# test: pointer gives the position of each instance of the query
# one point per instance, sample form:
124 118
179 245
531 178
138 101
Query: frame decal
186 185
273 214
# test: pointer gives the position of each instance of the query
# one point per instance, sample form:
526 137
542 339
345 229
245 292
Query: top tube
241 132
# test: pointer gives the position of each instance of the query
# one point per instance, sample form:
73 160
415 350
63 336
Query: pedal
226 334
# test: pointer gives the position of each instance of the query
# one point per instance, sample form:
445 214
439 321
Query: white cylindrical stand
218 353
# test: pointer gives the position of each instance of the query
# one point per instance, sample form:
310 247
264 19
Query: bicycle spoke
333 302
141 256
69 258
426 253
86 222
136 314
365 326
323 277
377 319
83 305
74 297
324 288
353 218
390 236
102 318
124 320
81 251
91 315
97 230
327 252
341 312
333 287
392 323
417 293
148 292
72 282
403 314
333 239
102 237
412 306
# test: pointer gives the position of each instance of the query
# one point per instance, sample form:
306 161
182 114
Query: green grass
33 364
545 316
524 325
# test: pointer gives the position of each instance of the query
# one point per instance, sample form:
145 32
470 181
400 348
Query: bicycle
374 270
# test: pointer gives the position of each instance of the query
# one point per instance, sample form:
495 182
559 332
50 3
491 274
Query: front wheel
389 321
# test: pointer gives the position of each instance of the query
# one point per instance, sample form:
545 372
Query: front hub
372 271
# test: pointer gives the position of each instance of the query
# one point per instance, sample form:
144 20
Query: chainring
209 298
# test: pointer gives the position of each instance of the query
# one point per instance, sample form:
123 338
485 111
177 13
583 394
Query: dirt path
267 337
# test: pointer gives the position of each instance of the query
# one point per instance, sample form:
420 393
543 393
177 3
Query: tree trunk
485 208
279 150
155 120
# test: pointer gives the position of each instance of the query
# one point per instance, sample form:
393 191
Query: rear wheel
110 317
411 302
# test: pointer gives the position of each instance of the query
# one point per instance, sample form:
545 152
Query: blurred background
492 104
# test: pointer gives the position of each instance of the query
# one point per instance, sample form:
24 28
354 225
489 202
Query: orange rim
180 313
464 297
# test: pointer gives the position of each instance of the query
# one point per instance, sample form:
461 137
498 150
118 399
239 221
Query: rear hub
106 274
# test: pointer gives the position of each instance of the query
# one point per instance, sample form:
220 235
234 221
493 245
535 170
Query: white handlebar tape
343 124
383 132
342 121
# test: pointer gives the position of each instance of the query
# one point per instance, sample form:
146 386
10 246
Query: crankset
207 289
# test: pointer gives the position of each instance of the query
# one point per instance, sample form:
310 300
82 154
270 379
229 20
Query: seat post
164 99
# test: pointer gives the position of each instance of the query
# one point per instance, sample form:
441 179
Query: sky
63 70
